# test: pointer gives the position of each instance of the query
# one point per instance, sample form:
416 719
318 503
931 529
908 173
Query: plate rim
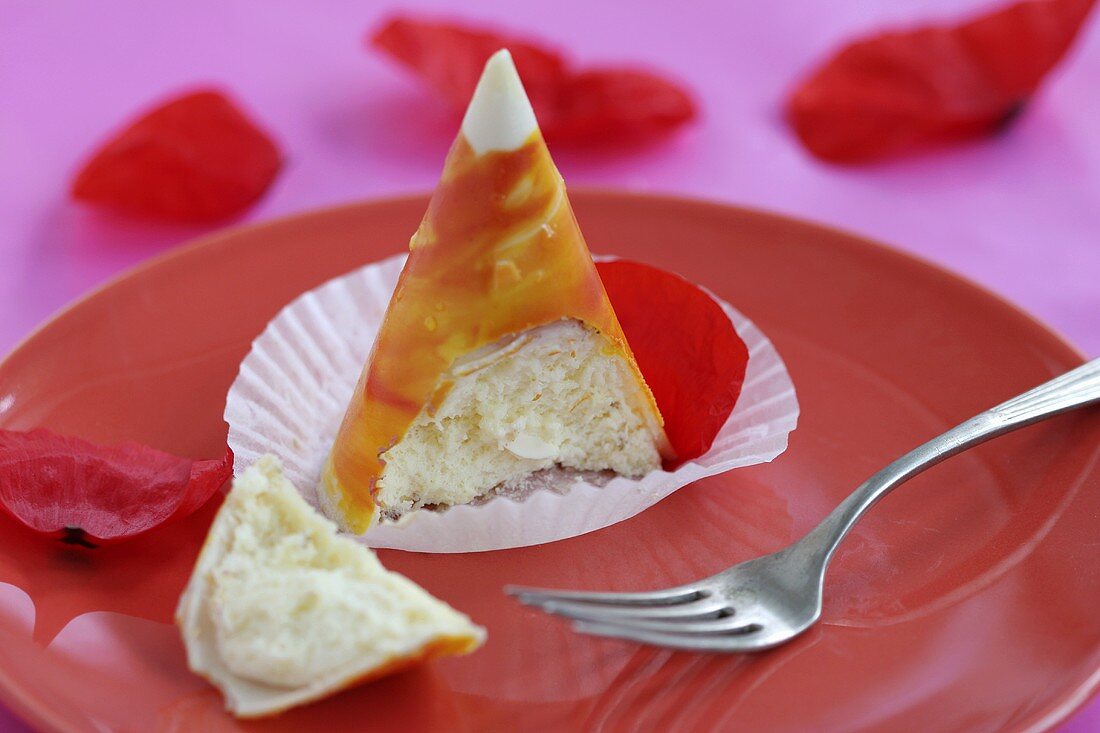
864 241
1069 701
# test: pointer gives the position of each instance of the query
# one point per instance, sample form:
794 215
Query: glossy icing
498 252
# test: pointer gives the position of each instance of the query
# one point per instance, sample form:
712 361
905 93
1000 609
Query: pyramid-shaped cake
500 354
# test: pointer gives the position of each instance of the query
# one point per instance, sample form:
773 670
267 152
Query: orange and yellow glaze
497 253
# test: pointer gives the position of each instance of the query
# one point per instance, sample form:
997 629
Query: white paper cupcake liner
295 383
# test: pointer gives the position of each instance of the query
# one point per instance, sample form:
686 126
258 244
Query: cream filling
554 395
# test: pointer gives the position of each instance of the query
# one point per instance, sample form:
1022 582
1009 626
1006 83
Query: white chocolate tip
499 116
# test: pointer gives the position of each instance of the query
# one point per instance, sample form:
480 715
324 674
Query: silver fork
769 600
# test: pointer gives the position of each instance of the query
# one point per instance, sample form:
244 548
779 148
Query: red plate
967 601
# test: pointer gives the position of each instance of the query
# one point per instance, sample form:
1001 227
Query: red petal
69 488
195 158
607 104
450 57
580 107
892 92
688 351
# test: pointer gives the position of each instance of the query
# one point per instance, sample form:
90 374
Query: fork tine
667 596
725 625
697 609
747 642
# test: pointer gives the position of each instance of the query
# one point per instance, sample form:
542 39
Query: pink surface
1018 213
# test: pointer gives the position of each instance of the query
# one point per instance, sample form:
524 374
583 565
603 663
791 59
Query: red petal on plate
194 158
688 351
451 56
589 106
87 494
888 93
608 104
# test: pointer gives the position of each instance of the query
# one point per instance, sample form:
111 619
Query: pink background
1019 213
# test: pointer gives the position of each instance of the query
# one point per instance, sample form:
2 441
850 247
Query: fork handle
1074 389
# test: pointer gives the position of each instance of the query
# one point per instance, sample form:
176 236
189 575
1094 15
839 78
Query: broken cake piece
281 610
